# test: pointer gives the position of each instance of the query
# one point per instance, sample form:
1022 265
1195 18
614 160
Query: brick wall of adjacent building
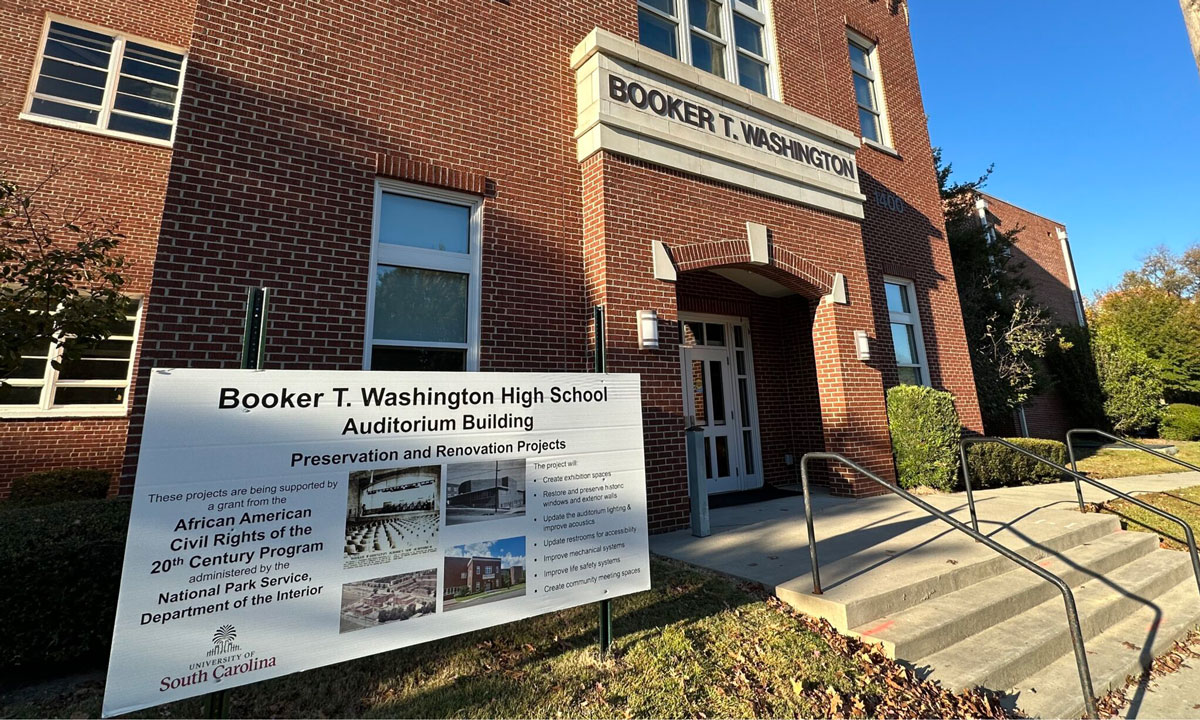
105 179
1038 258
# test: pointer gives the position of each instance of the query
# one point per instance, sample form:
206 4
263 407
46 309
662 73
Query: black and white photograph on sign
485 491
484 572
391 514
390 599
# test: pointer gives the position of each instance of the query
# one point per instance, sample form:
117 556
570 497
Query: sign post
606 631
286 520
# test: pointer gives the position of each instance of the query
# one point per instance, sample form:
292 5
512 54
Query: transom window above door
703 334
728 38
424 309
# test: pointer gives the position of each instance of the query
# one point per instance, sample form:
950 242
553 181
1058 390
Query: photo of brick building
749 197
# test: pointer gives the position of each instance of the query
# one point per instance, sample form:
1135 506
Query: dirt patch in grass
1109 463
696 645
1183 503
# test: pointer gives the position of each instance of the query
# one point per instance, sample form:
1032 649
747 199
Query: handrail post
808 518
962 453
1075 469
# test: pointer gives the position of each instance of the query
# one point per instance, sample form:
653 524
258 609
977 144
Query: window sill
63 414
94 130
886 150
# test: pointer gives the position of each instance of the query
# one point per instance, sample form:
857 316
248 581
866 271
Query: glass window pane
699 403
750 3
708 55
20 395
737 336
74 73
89 395
904 344
716 334
134 104
149 71
752 74
859 57
79 36
706 15
744 400
97 58
897 298
708 456
693 333
85 369
910 376
30 368
69 90
143 89
870 124
421 359
657 34
154 55
748 34
863 92
64 112
748 451
139 126
722 456
420 305
740 358
667 6
717 390
110 349
427 224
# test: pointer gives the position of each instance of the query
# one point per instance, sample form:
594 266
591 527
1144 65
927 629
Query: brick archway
778 264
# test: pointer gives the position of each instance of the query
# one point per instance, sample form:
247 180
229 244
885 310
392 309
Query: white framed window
97 80
423 304
97 383
728 38
868 90
907 340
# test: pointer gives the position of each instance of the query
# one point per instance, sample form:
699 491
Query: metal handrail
1187 529
1123 441
1085 676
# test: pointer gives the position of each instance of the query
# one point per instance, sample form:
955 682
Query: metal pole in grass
600 366
254 337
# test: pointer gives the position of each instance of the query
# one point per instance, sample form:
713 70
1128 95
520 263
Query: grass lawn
1183 503
1125 463
696 645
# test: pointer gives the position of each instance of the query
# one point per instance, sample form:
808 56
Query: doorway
717 367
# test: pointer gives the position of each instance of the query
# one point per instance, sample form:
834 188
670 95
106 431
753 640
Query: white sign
285 520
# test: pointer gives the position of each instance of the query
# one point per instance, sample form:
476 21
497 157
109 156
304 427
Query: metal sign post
599 366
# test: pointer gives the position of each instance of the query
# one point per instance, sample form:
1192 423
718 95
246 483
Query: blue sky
1090 112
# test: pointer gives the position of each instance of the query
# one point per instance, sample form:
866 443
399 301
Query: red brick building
472 575
91 89
1042 251
432 185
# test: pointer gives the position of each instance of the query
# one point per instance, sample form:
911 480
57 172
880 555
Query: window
424 296
868 90
699 31
97 383
907 342
93 79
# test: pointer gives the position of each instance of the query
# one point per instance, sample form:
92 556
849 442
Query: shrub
925 435
1132 383
994 465
60 486
1180 422
61 565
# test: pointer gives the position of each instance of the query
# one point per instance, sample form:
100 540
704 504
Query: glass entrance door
719 397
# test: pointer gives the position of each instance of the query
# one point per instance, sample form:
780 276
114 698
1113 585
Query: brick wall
105 178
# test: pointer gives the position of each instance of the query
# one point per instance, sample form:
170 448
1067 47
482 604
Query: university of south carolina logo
223 641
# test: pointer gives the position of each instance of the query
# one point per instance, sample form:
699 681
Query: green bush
62 485
925 435
1132 383
1180 422
994 465
61 565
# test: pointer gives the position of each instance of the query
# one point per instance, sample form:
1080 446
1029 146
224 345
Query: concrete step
1010 651
879 584
1123 650
939 623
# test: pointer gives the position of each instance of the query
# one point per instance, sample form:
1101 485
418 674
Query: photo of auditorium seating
384 600
485 491
391 514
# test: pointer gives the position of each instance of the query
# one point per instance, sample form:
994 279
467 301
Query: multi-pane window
103 81
907 342
97 382
425 292
699 32
868 93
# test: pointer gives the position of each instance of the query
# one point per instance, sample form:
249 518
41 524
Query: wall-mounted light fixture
648 329
862 345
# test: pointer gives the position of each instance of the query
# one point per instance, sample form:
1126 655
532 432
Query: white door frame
743 480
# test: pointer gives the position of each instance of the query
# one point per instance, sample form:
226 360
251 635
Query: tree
1132 385
60 279
1007 331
